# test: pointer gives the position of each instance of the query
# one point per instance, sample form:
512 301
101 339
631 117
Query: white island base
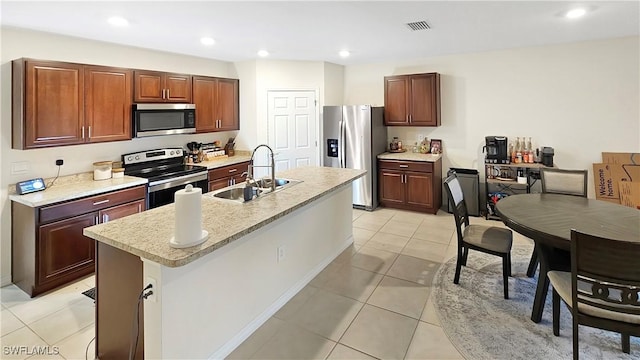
206 308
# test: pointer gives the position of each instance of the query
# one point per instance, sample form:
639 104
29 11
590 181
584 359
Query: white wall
580 98
79 158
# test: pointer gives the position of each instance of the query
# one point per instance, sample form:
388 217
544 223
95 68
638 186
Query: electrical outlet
419 138
281 253
60 162
154 287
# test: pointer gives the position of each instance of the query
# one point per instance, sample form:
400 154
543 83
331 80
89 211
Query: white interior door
293 128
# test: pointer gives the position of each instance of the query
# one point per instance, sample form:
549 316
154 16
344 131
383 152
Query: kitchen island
209 298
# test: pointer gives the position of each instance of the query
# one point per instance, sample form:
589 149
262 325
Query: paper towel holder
174 244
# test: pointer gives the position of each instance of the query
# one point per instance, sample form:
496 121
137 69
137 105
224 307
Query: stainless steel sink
262 187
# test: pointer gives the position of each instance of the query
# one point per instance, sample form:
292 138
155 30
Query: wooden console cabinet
48 248
411 185
412 100
226 176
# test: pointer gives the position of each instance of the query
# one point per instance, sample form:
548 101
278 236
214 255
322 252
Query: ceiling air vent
418 25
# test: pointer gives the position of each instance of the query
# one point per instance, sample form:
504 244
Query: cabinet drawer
406 165
227 171
93 203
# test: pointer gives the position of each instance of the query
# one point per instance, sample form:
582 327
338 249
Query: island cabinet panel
217 104
226 176
155 86
108 103
118 288
49 249
411 185
56 103
412 100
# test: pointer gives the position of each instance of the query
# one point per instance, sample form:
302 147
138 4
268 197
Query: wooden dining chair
603 288
559 181
488 239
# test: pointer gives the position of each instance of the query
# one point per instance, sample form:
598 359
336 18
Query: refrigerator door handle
341 144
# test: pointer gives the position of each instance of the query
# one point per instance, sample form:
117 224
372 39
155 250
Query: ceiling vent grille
418 25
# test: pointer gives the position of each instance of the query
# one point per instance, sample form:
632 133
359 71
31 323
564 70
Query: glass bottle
531 157
518 151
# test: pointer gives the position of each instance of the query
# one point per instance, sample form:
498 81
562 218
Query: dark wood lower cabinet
47 244
410 185
118 283
64 252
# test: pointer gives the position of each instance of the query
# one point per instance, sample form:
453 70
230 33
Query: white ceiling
373 31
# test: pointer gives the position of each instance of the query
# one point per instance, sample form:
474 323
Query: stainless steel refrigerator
353 137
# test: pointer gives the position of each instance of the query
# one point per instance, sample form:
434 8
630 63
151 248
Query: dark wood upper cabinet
108 102
56 103
155 86
48 100
412 100
217 104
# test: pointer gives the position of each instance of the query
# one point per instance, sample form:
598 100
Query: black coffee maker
497 150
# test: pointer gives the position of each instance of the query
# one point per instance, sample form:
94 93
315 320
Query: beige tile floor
373 301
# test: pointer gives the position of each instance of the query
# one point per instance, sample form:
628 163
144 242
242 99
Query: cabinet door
392 189
108 103
148 86
178 88
419 189
423 101
121 211
63 250
204 90
396 100
54 100
227 104
219 183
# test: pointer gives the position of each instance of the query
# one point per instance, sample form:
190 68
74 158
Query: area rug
481 324
90 293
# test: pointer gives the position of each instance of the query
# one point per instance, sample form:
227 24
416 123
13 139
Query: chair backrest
610 270
456 199
560 181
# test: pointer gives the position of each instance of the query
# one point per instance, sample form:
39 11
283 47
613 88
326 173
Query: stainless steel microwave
163 119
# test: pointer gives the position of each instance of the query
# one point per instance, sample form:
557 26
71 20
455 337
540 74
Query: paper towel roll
188 226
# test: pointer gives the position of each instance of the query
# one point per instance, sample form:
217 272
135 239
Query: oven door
163 194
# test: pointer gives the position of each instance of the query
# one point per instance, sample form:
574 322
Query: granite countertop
147 234
409 156
73 187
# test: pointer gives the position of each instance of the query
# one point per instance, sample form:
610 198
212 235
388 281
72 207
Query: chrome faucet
272 166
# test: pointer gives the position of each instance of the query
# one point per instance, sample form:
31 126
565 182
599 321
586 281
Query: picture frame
436 146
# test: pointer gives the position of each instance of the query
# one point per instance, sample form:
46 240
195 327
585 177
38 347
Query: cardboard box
607 177
630 193
621 158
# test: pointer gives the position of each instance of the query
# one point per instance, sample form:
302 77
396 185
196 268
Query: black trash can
470 184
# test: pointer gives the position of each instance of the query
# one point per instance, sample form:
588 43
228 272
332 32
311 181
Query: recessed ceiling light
263 53
575 13
344 53
207 41
118 21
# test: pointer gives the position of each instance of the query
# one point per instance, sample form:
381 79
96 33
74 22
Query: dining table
548 219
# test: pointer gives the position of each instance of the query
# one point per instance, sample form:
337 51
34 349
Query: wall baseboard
5 280
239 338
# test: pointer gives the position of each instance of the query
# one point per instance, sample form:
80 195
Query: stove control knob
130 158
137 157
178 152
171 153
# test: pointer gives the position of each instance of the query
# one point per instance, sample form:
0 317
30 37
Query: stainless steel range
166 172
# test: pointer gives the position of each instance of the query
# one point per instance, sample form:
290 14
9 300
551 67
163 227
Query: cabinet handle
105 218
139 207
101 202
409 117
96 220
89 131
83 132
233 170
404 166
233 181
